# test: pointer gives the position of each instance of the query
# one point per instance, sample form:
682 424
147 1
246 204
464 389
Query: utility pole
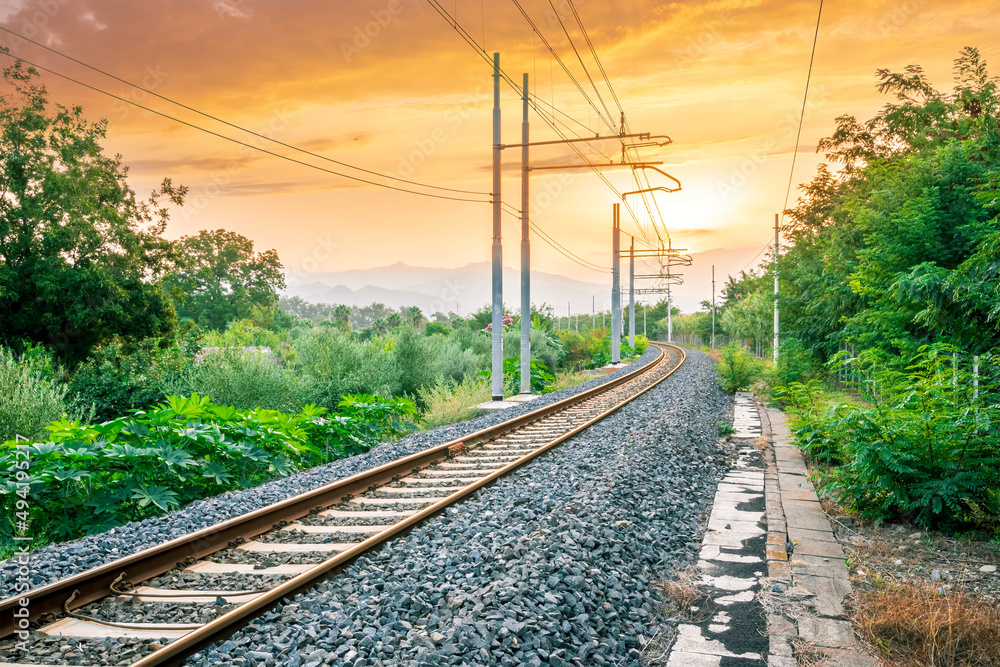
525 251
569 317
643 319
776 249
713 306
670 315
616 304
631 294
593 310
670 306
497 370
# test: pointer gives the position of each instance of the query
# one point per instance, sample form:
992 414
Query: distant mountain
461 290
467 288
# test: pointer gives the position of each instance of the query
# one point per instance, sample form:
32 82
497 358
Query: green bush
547 348
119 378
738 370
246 380
795 364
30 397
447 403
541 377
335 364
923 446
89 478
810 420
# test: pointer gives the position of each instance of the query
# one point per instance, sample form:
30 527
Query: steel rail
94 584
175 652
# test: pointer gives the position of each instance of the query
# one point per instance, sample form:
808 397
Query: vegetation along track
335 523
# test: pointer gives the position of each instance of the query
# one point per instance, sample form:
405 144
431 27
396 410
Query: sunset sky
723 78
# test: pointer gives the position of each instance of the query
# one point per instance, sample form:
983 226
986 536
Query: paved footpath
770 563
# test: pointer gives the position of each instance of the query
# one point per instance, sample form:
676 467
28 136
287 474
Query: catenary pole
776 251
631 294
525 251
616 319
497 370
593 311
713 306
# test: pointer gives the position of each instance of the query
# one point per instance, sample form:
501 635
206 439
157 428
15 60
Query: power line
464 34
237 141
235 126
802 116
562 64
579 59
593 52
550 240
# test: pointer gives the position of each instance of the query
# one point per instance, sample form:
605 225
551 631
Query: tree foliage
80 256
223 279
899 248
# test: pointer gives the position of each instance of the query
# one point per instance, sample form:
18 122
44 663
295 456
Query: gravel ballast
552 565
58 561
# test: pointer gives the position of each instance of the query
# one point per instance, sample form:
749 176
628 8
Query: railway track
278 551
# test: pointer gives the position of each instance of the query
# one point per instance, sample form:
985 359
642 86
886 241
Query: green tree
223 279
81 258
342 317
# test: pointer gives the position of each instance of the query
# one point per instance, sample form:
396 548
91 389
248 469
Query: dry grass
683 599
808 655
913 624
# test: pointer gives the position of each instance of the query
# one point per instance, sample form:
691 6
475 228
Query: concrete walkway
770 567
806 568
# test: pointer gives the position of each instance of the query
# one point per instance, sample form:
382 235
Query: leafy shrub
795 364
738 370
30 397
541 377
334 365
244 380
433 328
923 447
810 420
452 362
89 478
414 359
447 403
547 348
119 378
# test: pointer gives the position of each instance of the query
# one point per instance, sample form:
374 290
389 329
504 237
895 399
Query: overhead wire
237 141
464 34
234 125
600 98
802 116
562 64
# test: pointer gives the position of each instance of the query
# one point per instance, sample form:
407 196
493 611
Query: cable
593 52
562 64
238 127
766 246
464 34
550 240
237 141
579 59
802 116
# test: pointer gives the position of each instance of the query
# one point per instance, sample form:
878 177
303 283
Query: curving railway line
333 524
